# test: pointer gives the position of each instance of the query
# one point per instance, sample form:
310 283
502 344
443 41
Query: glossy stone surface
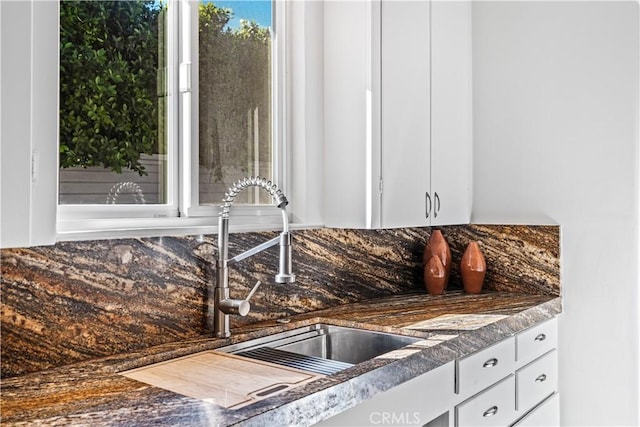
94 393
76 301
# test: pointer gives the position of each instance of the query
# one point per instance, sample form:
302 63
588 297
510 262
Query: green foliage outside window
111 108
108 101
235 78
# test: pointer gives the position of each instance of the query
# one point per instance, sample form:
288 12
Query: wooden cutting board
224 379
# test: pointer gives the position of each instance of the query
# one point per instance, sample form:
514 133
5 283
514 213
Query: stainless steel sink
321 348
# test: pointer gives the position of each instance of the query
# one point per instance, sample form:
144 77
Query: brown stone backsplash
75 301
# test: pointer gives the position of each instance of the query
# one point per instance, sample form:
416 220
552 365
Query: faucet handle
253 290
238 306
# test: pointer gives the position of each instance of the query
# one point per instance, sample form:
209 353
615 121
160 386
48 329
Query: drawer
479 370
547 414
536 341
493 407
536 381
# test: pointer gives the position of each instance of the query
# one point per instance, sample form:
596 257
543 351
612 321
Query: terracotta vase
472 269
438 246
434 276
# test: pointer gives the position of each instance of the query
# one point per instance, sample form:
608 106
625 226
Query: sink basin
348 345
242 377
320 348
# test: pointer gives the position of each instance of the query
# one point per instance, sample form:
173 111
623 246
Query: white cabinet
485 367
405 114
547 414
418 401
536 381
397 113
28 128
536 341
492 407
451 113
491 387
519 390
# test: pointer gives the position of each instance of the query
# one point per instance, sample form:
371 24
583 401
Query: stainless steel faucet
220 305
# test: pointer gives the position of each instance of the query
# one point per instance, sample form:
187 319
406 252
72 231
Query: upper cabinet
397 113
451 112
405 113
29 125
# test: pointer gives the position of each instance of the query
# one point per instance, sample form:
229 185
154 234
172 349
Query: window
163 105
235 131
113 109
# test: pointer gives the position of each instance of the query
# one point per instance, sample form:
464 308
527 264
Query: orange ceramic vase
438 246
435 276
472 269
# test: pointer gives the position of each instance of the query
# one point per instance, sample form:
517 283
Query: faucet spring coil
253 181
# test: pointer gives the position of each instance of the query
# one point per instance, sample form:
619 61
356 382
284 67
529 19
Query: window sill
98 229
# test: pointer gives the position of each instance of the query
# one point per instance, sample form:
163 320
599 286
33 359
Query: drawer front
493 407
479 370
536 341
536 381
546 414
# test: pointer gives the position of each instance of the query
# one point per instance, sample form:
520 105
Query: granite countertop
451 326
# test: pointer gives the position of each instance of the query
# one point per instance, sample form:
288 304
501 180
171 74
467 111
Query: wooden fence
97 185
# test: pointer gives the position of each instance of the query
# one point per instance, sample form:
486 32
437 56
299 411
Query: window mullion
187 70
280 158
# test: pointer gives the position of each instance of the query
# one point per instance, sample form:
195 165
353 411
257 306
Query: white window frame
182 214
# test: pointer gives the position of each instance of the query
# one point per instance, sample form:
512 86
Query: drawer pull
490 412
542 378
490 363
540 338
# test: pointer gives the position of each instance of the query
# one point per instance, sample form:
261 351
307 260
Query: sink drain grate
295 360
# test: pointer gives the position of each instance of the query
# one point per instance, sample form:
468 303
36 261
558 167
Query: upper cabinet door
451 112
351 114
405 112
29 128
397 113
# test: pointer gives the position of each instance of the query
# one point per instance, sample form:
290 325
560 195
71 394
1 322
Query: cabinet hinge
35 164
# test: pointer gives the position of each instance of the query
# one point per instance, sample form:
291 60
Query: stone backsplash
75 301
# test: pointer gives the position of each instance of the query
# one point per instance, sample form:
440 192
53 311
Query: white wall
556 111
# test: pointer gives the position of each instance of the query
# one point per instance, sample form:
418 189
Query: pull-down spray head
284 265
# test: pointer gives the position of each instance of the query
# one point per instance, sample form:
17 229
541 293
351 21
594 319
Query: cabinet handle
490 412
490 363
427 204
541 378
540 338
436 204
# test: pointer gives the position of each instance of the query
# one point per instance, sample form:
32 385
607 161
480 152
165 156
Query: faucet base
221 327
